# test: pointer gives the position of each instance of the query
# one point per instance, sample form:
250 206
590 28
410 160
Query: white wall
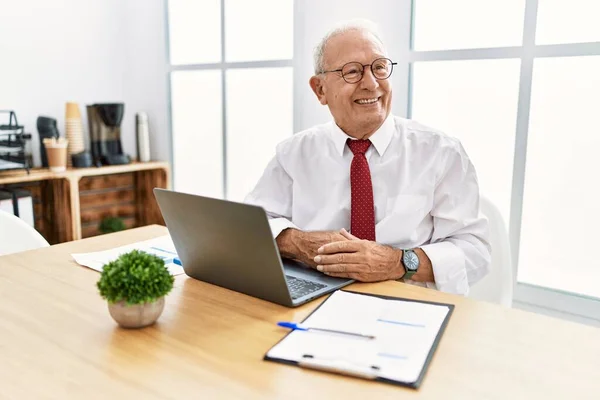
313 18
54 51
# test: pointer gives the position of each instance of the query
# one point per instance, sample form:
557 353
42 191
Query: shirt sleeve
459 249
273 192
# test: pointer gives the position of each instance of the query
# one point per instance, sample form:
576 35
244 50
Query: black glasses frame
362 74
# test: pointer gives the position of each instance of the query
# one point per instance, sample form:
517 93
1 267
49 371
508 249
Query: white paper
162 247
404 334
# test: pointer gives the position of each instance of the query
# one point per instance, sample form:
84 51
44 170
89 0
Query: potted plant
111 224
134 286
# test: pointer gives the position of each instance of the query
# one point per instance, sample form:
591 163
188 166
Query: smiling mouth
367 101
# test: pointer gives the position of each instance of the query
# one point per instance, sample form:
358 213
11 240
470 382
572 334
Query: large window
484 117
231 91
517 81
561 198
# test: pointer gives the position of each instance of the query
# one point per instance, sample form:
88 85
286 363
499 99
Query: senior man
370 196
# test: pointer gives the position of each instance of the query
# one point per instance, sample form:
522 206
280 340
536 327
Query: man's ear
316 84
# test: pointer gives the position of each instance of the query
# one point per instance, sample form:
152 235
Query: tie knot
359 146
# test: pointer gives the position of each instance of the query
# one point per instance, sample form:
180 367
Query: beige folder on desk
404 336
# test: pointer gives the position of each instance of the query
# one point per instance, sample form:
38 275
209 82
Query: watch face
411 260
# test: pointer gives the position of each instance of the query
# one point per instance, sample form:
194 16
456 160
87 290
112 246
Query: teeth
367 101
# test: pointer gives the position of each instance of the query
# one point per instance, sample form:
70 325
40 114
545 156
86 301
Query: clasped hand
361 260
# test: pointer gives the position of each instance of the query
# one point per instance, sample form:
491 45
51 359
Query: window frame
223 66
526 295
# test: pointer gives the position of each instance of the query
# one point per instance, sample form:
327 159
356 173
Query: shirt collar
380 139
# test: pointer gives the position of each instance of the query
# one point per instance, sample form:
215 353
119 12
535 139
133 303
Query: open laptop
230 245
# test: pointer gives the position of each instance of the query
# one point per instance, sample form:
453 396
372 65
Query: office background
224 80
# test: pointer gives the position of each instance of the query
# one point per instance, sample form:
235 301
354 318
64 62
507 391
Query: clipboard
366 370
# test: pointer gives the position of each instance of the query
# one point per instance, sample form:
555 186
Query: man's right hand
302 246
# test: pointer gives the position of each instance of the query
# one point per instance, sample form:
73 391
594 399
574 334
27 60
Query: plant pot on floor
111 224
134 286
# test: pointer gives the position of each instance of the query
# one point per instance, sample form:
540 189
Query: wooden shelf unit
70 205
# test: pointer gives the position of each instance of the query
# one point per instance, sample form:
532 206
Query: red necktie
362 211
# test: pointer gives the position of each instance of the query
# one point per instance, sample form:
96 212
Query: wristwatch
410 260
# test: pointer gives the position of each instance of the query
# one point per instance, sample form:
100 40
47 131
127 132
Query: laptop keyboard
301 287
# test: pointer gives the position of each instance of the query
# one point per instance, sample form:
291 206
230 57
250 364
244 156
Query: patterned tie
362 211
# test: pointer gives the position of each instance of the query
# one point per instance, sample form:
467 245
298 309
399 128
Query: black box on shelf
13 140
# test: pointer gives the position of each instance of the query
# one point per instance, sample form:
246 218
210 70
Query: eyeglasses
353 72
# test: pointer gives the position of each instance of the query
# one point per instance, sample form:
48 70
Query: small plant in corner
134 286
111 224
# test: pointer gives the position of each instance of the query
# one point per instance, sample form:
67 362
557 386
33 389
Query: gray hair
362 25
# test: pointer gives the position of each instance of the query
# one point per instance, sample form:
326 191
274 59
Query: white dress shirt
425 192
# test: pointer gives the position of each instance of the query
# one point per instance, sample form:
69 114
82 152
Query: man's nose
368 82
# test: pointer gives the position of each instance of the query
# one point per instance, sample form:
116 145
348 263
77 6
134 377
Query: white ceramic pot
136 315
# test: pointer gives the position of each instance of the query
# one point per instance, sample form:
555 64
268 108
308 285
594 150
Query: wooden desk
57 340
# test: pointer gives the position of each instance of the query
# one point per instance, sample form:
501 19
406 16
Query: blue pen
299 327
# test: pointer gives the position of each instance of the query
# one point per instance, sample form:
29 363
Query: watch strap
408 274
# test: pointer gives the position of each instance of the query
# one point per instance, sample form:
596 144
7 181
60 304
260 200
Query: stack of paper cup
74 130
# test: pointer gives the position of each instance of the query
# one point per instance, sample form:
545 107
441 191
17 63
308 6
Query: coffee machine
104 121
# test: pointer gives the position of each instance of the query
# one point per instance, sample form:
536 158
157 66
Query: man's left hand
361 260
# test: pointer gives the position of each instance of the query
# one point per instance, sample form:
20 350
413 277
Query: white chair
497 286
16 235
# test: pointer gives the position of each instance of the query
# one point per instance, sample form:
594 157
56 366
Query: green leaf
111 224
136 277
